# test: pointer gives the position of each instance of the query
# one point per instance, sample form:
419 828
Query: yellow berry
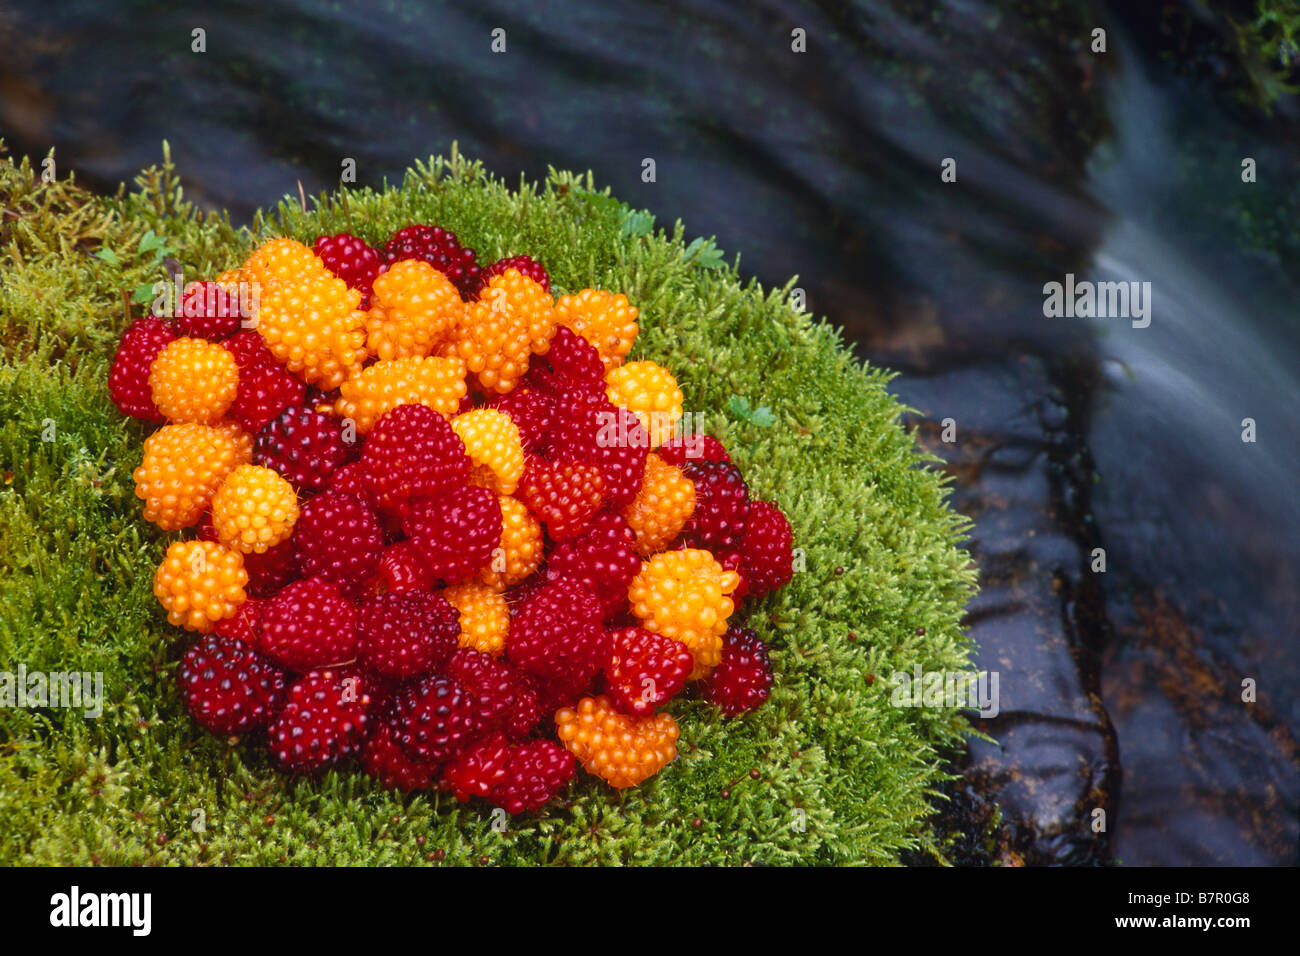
413 308
419 380
312 326
620 749
193 380
200 583
661 508
604 319
254 509
182 468
683 595
484 616
496 335
281 260
520 550
651 393
494 447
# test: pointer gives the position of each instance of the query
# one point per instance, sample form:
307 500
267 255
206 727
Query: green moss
882 552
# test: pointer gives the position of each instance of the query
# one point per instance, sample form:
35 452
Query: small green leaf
703 253
149 241
637 223
109 256
741 409
143 294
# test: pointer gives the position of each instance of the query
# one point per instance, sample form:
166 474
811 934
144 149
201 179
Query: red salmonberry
246 625
303 445
309 624
265 388
128 378
388 763
324 721
271 570
590 428
531 410
456 534
721 504
645 669
570 364
679 451
439 248
525 264
516 777
743 678
404 636
228 687
351 259
556 633
564 496
767 556
402 569
413 453
338 539
603 559
433 719
207 311
506 700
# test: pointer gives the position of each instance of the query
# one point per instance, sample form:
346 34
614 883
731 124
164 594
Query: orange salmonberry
661 508
193 380
254 509
513 318
620 749
200 583
606 320
484 616
413 308
182 468
419 380
312 326
495 450
684 595
649 391
519 552
280 260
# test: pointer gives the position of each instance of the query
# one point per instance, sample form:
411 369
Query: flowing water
1121 690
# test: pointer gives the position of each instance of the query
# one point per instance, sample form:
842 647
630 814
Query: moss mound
843 777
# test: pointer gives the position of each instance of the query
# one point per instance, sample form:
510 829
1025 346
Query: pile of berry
440 525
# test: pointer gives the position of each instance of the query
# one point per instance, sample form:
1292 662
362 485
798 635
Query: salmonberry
767 556
266 389
325 720
497 334
228 687
389 764
661 508
309 624
200 583
604 319
273 569
313 326
603 559
434 718
338 538
280 260
484 616
645 669
620 749
721 505
128 378
401 570
743 677
531 410
254 509
350 258
182 468
564 496
695 447
519 551
570 364
526 265
404 636
438 383
413 453
651 393
193 380
304 446
414 309
246 625
457 533
685 595
506 701
515 777
440 249
556 632
208 311
495 450
590 428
